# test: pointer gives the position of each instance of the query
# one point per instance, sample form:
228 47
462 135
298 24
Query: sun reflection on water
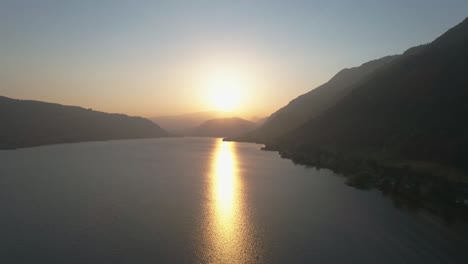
225 182
226 230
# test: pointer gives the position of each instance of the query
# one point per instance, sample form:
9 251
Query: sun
225 99
225 92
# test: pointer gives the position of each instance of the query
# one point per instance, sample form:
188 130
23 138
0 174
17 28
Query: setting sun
225 92
225 99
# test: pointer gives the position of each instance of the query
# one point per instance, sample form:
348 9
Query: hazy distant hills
183 124
223 127
26 123
208 123
412 107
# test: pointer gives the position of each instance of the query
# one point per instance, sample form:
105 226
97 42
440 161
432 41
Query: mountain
311 104
258 123
258 120
183 124
413 110
27 123
223 127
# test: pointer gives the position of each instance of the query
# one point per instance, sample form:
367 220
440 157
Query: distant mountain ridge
26 123
183 124
223 127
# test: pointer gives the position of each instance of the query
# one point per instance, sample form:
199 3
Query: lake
201 200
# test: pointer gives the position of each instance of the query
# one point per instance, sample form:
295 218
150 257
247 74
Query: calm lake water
195 200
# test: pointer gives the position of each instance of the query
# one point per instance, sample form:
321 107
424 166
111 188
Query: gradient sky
155 58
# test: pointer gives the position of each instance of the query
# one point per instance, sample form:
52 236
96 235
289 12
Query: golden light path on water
227 230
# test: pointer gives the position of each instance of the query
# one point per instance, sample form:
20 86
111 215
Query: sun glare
225 99
225 92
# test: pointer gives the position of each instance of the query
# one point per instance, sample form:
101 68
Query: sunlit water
197 200
226 227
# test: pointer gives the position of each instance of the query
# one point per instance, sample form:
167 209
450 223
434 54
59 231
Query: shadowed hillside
31 123
413 110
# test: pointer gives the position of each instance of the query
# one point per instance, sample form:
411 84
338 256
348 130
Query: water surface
195 200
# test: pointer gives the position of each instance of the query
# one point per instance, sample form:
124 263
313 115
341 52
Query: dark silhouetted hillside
26 123
413 110
311 104
223 127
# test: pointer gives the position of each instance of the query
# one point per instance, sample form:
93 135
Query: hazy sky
161 57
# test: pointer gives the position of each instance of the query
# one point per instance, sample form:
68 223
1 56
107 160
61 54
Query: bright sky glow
149 57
